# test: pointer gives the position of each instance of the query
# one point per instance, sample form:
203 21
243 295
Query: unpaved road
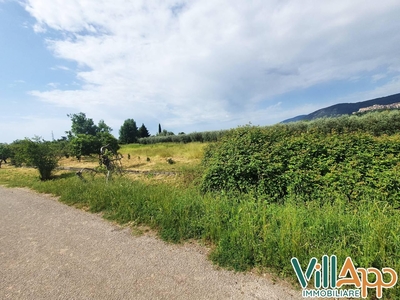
49 250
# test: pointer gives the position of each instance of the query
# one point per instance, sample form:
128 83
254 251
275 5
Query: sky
191 65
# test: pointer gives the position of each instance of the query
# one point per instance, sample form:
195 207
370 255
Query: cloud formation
201 61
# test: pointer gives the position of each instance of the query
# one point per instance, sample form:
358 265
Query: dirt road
52 251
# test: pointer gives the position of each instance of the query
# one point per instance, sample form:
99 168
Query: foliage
102 127
165 132
206 136
5 153
85 138
36 153
18 152
128 132
62 147
143 132
280 165
83 125
246 230
306 189
84 144
106 138
376 123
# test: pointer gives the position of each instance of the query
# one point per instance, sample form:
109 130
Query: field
258 197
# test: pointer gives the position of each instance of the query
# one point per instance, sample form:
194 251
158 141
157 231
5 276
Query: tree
159 128
84 144
165 132
5 153
128 132
85 138
103 127
82 125
143 132
107 138
17 152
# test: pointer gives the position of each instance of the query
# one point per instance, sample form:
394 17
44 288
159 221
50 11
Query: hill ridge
346 108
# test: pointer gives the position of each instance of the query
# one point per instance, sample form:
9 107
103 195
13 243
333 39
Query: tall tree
159 128
143 132
85 138
165 132
128 132
82 125
103 127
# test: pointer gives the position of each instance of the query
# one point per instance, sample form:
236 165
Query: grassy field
149 157
249 230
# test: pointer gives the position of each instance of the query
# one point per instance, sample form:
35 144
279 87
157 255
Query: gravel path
49 250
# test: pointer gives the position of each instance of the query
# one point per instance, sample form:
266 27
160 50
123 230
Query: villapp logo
327 282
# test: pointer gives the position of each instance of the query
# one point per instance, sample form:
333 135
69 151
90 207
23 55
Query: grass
245 231
190 151
186 158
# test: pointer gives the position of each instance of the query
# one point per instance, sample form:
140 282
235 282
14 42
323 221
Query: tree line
85 138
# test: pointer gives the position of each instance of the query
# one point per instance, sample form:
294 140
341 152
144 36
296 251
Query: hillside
345 108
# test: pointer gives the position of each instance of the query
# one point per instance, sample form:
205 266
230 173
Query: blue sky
190 65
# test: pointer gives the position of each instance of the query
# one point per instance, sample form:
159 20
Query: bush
206 136
36 153
278 164
5 153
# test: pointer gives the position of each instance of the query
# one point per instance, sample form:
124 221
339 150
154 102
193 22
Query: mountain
345 108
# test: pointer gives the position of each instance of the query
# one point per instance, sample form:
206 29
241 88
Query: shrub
36 153
279 164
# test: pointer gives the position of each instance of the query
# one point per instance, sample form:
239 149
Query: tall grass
246 231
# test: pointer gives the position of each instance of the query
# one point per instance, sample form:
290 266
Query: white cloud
54 85
64 68
193 62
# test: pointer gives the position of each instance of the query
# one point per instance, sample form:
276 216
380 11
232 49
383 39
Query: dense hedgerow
205 136
376 123
278 164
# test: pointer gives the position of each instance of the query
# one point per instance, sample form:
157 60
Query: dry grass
152 158
86 162
148 157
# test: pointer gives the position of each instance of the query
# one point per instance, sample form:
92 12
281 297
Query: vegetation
129 133
83 125
346 108
263 195
35 153
205 136
143 132
313 166
5 153
376 123
85 138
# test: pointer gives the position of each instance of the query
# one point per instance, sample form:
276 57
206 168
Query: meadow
260 195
